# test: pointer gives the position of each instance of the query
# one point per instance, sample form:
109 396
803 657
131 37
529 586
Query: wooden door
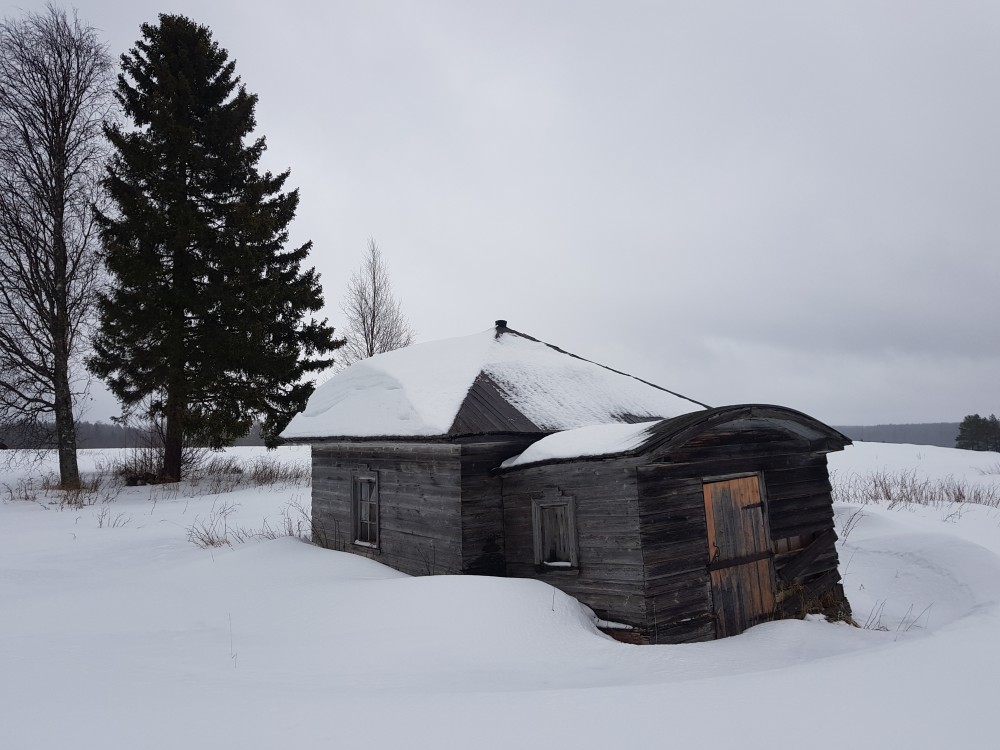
741 567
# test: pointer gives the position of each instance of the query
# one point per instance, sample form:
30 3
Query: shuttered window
554 529
364 490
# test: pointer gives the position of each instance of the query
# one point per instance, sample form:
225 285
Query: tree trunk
69 471
173 439
176 406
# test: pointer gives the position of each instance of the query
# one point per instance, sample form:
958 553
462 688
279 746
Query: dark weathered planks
420 528
674 532
610 575
819 556
487 410
482 523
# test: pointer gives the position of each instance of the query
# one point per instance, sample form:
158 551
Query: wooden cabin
498 454
710 523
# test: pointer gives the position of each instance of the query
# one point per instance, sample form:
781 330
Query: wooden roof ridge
504 329
676 431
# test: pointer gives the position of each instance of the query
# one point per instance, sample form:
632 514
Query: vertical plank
713 546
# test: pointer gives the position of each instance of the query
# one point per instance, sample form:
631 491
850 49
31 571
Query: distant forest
104 435
931 433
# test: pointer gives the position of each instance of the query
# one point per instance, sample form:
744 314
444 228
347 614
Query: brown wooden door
741 567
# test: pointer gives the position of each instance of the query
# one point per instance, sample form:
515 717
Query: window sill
366 545
557 571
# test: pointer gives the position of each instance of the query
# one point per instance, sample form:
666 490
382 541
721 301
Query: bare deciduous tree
55 83
375 320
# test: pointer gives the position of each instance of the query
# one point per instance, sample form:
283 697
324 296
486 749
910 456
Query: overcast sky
781 202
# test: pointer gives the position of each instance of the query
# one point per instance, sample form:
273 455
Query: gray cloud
786 202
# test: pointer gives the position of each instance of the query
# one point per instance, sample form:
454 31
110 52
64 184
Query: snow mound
135 637
923 461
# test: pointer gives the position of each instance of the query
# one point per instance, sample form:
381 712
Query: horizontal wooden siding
419 484
609 577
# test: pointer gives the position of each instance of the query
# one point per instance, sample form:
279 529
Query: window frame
361 481
570 561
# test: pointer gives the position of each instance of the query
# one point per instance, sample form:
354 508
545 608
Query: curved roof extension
610 441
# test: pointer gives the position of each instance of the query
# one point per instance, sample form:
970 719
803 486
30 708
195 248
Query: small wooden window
554 528
364 491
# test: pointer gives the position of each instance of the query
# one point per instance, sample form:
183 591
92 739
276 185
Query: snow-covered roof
498 380
595 440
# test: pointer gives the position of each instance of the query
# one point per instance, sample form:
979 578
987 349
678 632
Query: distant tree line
977 433
930 433
31 434
98 435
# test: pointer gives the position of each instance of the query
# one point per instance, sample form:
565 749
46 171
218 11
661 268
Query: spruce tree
970 433
977 433
207 324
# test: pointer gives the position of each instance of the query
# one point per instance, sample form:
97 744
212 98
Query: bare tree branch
375 320
55 83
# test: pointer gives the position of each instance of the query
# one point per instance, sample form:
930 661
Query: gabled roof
614 440
496 381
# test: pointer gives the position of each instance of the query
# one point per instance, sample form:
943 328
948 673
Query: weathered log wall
609 578
419 484
675 549
482 503
798 511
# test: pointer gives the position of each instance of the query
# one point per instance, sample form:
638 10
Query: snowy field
117 631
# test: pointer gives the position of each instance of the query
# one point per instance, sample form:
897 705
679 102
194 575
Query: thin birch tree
375 319
55 85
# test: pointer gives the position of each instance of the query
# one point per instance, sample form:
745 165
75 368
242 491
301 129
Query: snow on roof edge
593 441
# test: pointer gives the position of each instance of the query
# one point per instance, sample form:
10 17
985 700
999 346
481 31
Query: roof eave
443 438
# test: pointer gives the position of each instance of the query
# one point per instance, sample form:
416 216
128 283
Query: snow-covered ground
117 632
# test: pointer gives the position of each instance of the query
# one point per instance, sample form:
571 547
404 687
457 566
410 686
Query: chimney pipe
501 324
